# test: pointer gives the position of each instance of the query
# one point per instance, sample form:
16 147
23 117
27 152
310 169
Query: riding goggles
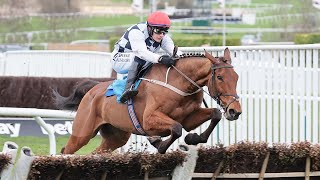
163 31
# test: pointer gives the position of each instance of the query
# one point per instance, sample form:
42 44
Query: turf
40 145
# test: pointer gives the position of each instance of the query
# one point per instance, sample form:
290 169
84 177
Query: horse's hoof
192 139
162 149
62 150
161 152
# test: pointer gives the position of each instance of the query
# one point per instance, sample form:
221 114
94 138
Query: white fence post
185 171
23 164
11 149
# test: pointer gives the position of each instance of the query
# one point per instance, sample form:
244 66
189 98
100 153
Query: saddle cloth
117 88
118 85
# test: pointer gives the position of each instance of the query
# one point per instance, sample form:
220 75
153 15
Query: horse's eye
220 77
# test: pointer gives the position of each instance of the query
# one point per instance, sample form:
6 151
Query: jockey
137 49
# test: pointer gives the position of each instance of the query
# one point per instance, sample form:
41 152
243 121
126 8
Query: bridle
216 96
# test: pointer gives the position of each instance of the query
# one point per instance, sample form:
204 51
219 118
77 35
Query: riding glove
167 60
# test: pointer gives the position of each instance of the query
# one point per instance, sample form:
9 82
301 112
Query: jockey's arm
139 47
167 45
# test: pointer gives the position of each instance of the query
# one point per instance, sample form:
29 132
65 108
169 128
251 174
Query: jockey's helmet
158 22
159 19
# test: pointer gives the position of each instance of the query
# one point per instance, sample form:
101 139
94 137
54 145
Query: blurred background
94 24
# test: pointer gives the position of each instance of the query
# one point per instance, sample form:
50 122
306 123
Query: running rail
38 114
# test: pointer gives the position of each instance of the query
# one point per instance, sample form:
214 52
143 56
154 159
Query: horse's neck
197 69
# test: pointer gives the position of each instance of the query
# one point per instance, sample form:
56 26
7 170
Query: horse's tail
72 102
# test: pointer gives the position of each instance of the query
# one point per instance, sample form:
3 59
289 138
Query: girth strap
134 118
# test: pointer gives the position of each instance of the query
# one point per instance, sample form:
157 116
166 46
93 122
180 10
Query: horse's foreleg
198 118
159 123
176 132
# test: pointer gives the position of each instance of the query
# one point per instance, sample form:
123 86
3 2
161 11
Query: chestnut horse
162 109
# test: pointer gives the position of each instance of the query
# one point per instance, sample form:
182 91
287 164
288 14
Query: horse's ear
175 50
227 55
210 57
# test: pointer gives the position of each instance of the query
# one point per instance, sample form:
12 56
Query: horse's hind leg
74 144
83 129
112 138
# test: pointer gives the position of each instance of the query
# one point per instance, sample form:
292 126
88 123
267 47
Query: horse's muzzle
232 114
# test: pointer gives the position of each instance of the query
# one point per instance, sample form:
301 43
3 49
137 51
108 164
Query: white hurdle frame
38 114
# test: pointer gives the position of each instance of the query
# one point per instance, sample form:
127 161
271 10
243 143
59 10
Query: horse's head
223 83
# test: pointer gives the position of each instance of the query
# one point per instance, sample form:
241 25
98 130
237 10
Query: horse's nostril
231 112
234 113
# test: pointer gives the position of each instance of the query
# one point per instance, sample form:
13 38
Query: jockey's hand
167 60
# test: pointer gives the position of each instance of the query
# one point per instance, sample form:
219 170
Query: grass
266 2
40 145
38 23
42 24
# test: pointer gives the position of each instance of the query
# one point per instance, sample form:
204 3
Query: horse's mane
187 55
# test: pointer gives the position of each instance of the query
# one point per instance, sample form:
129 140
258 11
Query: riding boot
129 91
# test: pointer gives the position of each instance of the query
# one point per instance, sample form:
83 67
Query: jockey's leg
159 123
196 119
129 91
112 138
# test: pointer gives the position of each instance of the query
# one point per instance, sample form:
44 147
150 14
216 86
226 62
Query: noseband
216 96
